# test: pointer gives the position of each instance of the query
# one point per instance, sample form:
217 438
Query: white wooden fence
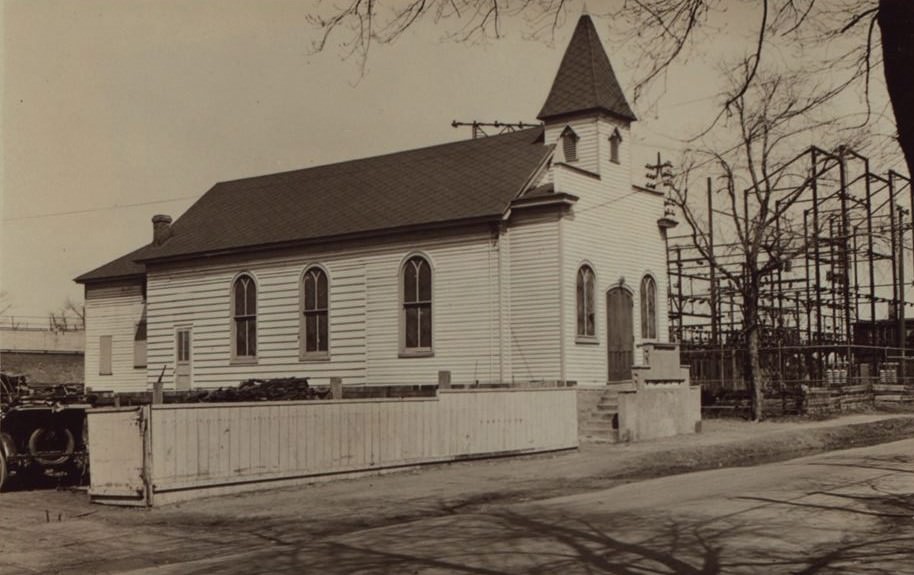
165 453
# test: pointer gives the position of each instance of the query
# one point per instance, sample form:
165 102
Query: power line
89 210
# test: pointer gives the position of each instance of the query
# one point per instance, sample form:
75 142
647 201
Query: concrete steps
600 424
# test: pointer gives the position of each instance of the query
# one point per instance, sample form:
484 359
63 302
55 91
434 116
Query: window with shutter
570 145
139 342
614 142
104 355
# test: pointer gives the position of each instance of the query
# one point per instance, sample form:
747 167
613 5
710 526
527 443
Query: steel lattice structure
836 298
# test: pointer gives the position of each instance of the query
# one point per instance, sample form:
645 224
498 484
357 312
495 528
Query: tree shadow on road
529 540
752 534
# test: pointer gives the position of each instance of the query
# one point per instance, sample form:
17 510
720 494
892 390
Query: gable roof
460 181
585 80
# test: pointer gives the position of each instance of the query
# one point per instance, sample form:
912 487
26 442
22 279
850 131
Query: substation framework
834 307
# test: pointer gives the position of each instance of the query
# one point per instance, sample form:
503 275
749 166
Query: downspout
561 280
503 301
493 303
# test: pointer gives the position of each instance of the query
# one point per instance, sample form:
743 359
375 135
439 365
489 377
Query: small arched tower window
648 308
570 144
614 142
586 308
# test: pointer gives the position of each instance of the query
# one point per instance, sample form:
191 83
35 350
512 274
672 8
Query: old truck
42 430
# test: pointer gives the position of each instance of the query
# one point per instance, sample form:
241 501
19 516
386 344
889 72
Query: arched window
244 317
648 308
417 304
315 336
586 303
614 142
570 145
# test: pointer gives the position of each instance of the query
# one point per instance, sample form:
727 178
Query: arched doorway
620 335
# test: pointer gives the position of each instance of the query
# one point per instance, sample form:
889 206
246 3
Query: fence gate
118 454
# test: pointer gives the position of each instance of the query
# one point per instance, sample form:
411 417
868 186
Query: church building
525 257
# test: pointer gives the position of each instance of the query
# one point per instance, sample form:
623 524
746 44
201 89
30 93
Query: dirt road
588 511
848 512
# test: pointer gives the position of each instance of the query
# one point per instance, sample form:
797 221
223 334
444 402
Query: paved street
848 511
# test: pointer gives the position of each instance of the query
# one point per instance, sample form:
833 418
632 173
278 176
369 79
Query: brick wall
45 368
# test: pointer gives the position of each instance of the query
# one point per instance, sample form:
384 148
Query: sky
113 111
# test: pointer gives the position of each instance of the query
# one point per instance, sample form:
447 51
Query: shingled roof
124 267
461 181
585 81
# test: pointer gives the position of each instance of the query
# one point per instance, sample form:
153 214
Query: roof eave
647 190
562 199
559 198
102 279
367 234
559 116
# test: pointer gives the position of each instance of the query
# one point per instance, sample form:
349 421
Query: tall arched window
570 145
417 304
315 336
244 317
648 308
587 325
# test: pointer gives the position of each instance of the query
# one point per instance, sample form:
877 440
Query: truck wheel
7 448
58 439
3 473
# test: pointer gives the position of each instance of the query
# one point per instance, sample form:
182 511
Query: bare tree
761 182
666 32
818 51
70 317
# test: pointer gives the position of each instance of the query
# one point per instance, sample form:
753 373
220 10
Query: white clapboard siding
533 294
464 314
113 309
364 314
200 298
198 448
588 143
613 227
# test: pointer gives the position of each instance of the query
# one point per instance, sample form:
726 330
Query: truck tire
7 448
61 438
3 471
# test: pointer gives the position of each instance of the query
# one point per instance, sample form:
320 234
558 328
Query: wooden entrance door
620 335
182 358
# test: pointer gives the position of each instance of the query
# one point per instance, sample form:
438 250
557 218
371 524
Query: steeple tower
585 81
586 114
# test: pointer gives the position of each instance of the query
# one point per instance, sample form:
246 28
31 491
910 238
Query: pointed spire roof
585 80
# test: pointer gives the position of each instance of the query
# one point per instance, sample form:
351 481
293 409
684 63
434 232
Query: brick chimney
161 229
